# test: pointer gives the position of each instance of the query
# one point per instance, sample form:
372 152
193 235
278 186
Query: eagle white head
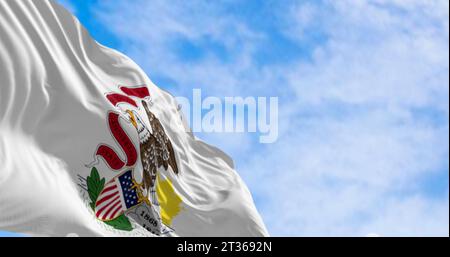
141 128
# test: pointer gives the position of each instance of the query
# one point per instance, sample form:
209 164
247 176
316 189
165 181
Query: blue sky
363 88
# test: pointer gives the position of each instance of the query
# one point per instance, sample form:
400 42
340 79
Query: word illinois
232 115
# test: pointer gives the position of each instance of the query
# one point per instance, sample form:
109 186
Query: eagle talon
142 198
136 185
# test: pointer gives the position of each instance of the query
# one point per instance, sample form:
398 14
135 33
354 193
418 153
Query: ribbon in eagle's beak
132 118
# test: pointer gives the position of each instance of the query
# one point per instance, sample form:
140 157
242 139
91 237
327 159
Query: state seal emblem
151 201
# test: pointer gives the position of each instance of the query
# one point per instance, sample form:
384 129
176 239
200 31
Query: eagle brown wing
172 160
163 147
149 161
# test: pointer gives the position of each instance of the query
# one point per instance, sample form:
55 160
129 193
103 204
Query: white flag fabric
89 146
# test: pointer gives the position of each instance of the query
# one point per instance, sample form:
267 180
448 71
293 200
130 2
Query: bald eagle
156 151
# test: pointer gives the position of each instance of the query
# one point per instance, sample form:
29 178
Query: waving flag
89 145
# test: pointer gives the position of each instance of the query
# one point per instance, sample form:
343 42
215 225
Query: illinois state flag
89 146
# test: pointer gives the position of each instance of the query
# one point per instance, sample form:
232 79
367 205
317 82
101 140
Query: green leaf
121 223
95 186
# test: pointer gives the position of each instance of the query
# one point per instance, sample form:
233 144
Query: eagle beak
132 118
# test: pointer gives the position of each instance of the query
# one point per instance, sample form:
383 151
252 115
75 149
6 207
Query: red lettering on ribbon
125 143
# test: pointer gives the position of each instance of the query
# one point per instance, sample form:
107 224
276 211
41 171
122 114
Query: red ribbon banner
109 155
106 152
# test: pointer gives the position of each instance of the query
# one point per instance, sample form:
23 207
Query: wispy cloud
364 95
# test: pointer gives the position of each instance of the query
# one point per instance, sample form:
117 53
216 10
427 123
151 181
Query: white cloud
378 54
361 122
411 216
152 30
